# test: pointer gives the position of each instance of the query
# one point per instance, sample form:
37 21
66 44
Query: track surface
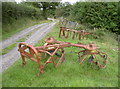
13 55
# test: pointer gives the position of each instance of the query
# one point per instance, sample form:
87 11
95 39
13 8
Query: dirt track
12 56
19 35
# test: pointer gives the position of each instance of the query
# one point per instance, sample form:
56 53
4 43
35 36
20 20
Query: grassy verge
7 49
10 47
68 74
10 29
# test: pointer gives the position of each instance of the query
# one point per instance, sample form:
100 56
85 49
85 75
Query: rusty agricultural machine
52 47
81 34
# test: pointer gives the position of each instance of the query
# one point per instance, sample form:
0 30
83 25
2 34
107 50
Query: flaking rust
52 47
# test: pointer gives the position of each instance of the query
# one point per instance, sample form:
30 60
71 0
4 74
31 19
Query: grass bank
70 73
18 25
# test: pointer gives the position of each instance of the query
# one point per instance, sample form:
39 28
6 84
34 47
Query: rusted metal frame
73 35
77 45
103 53
67 44
23 57
43 51
101 65
104 59
68 32
57 46
85 34
79 54
61 58
42 66
21 50
30 48
93 53
97 63
62 31
31 57
100 53
53 55
87 47
50 58
84 54
81 35
84 58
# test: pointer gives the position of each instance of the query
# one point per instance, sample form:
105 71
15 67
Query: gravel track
12 56
19 35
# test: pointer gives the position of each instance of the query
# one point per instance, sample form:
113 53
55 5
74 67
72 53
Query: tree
48 8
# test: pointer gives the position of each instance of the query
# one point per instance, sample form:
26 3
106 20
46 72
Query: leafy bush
95 14
12 11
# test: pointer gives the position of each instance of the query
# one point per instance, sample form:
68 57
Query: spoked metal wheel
97 59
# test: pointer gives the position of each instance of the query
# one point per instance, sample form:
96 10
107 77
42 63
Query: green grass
68 74
7 49
10 47
10 29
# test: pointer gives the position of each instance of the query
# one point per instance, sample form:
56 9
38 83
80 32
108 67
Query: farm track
13 55
19 35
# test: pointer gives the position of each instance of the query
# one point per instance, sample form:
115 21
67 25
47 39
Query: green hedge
12 11
95 14
100 15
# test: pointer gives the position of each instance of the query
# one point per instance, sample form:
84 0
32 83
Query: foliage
24 12
48 8
63 9
94 14
12 11
19 25
16 17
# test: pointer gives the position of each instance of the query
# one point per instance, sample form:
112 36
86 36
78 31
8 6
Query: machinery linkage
50 51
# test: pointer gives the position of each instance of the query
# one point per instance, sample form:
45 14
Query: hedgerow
12 11
94 14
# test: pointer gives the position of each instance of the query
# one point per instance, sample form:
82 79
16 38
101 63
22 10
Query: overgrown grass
18 25
70 73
